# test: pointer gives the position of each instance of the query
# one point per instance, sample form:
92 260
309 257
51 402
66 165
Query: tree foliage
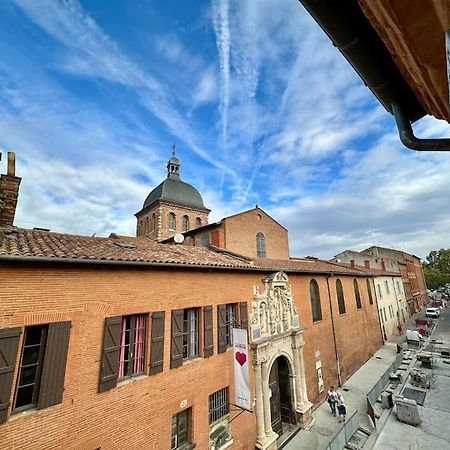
437 268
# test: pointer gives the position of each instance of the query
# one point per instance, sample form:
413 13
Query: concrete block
407 411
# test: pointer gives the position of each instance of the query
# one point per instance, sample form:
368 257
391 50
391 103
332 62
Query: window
198 222
218 405
260 245
357 296
180 429
231 322
42 365
315 301
30 369
131 347
386 285
369 292
153 222
172 221
380 295
340 297
398 287
185 223
190 333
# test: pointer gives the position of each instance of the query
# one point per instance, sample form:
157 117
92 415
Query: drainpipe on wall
334 332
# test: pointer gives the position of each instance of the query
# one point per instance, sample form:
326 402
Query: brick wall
241 230
140 411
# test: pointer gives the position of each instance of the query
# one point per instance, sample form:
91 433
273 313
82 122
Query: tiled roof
313 265
43 244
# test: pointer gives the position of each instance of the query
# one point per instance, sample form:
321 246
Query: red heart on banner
241 358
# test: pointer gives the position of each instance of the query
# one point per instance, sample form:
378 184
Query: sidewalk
354 390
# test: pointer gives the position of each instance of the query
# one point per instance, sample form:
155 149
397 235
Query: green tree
437 268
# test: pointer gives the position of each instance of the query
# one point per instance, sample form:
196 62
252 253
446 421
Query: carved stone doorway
281 407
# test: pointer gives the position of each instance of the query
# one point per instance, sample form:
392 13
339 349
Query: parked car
433 312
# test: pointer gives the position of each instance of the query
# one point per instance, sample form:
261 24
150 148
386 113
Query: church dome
174 190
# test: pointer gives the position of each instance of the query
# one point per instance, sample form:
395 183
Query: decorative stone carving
275 332
273 311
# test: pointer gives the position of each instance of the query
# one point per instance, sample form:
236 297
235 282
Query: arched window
357 296
185 223
147 227
172 221
198 222
260 245
340 296
153 221
369 291
315 301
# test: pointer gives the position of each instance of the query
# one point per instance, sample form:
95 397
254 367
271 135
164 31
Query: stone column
304 392
266 398
299 376
260 432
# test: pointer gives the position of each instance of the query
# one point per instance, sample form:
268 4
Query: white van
434 313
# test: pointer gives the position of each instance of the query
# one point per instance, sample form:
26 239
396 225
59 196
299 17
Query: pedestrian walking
332 400
342 410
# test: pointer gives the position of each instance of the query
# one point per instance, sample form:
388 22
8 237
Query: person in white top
341 407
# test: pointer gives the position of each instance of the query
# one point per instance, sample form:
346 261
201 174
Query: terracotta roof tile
43 244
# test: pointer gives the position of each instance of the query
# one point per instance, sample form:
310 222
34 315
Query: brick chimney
367 264
9 192
352 263
383 265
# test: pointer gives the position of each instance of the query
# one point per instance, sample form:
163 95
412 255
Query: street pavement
434 431
355 390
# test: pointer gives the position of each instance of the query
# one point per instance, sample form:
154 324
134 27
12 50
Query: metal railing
345 433
379 387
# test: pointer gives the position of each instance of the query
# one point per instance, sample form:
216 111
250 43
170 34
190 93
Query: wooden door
275 410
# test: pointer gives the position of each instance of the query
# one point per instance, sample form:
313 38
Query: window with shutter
9 345
157 345
110 354
54 366
176 343
243 315
222 328
208 348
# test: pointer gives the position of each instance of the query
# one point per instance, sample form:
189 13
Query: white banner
241 365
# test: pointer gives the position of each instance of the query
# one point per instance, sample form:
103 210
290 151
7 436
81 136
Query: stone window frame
172 221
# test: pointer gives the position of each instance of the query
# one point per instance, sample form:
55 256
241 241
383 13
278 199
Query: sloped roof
36 244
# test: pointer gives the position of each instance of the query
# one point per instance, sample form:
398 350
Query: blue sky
263 109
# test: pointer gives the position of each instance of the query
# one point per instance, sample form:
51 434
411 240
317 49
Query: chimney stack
383 265
367 264
352 263
9 192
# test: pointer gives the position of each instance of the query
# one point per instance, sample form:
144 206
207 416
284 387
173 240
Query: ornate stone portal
275 331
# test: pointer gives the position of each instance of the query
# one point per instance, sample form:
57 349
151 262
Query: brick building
263 236
409 267
124 342
172 207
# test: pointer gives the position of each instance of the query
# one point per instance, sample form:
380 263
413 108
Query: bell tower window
172 221
185 223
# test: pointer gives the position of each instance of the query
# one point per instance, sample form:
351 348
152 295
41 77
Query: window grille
218 405
185 223
260 245
172 221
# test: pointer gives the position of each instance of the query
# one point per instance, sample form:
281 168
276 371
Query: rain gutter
353 35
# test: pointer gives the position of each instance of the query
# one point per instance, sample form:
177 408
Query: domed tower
172 207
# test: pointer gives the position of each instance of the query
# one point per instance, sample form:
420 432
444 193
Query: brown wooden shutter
110 354
54 367
176 343
9 344
243 315
222 328
208 348
157 344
